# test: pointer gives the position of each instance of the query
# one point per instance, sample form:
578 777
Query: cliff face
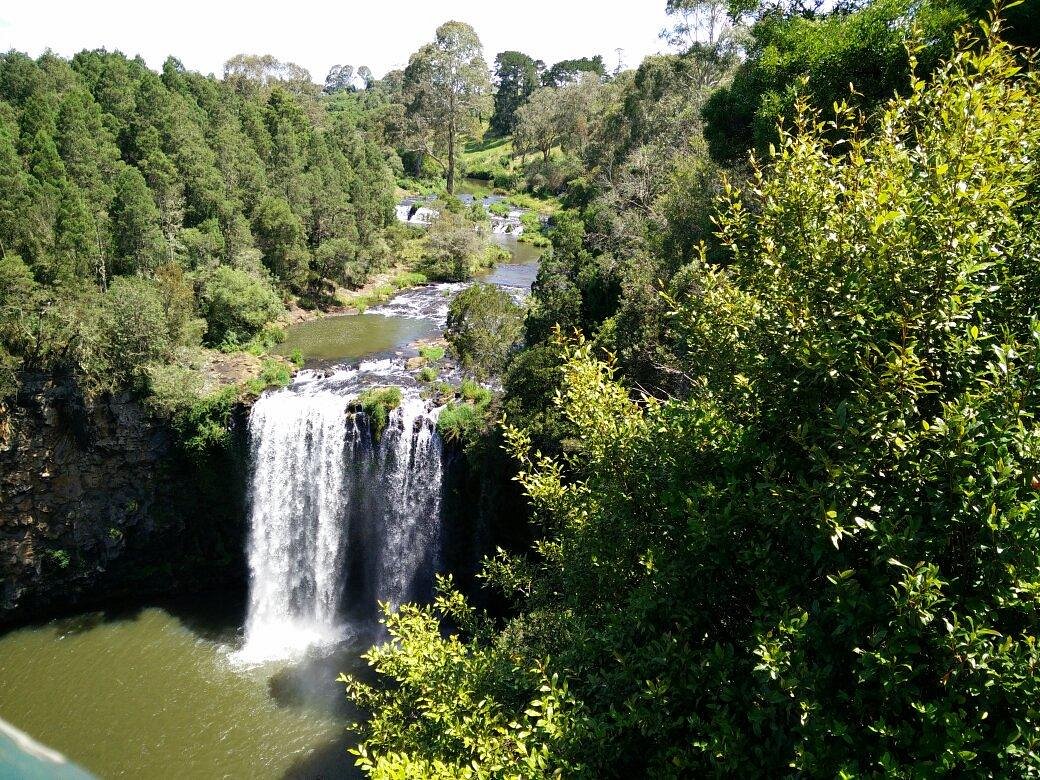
97 502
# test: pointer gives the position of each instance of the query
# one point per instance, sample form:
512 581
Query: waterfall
338 522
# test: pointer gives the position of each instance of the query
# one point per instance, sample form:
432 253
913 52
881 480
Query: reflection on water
151 693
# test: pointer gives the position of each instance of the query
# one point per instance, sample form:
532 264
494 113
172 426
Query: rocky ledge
97 502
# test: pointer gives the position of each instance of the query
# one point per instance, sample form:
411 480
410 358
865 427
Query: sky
205 33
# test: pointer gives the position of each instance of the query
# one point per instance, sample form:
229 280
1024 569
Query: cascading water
338 520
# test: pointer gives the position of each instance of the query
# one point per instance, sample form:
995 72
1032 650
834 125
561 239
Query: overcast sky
377 33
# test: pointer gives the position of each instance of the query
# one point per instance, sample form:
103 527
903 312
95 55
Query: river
171 689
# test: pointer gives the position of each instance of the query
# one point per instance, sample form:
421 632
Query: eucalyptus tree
447 90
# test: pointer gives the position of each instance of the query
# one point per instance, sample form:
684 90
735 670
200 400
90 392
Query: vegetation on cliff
808 545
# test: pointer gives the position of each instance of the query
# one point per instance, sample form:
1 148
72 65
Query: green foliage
60 557
475 392
819 55
427 374
109 170
458 422
129 327
483 325
439 709
446 91
203 424
516 77
434 353
822 560
236 305
377 403
455 249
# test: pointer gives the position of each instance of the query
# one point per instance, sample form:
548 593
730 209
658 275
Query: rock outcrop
98 502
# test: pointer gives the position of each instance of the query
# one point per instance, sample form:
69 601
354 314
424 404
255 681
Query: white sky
377 33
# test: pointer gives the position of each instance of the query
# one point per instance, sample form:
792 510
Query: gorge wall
97 503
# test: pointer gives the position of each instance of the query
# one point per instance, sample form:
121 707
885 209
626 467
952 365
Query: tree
484 323
137 243
365 74
339 79
821 560
455 248
567 71
447 90
558 116
697 23
516 77
279 235
236 305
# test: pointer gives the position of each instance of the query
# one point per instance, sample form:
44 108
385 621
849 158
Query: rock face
97 502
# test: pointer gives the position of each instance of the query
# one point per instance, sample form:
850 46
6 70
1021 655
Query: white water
338 522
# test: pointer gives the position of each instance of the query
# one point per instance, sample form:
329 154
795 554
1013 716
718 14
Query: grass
431 352
377 403
381 293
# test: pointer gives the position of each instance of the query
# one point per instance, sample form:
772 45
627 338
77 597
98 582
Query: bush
508 180
236 305
377 403
458 422
483 325
431 352
427 374
454 249
126 329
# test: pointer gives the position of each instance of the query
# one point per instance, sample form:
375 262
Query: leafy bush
824 561
483 325
454 248
127 328
377 403
427 374
236 305
475 392
457 422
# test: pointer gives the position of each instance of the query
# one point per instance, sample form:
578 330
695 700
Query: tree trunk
451 161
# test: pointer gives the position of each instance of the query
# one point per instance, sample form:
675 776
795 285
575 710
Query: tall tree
567 71
447 90
340 79
516 77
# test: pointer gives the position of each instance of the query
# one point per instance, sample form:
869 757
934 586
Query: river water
169 689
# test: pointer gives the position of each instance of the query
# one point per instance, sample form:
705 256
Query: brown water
153 694
353 336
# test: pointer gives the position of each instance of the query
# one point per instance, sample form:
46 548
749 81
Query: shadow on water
312 684
331 761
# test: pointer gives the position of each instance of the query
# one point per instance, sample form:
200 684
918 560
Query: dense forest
771 401
151 219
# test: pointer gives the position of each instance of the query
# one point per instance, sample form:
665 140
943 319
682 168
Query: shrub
427 374
431 352
126 329
377 403
822 562
457 422
483 325
454 248
236 305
